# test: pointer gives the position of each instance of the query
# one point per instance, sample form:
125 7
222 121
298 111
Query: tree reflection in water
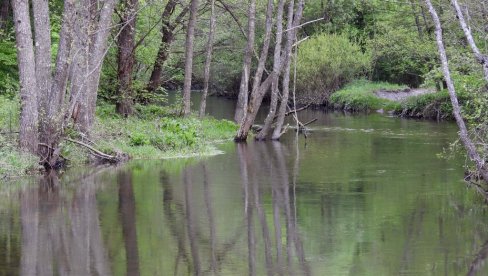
61 230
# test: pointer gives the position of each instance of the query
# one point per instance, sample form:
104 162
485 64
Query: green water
363 195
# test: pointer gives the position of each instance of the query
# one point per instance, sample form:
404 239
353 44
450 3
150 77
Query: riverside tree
52 97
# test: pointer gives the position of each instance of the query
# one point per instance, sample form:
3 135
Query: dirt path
400 95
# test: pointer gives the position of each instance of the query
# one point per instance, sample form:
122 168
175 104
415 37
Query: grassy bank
358 96
436 106
154 132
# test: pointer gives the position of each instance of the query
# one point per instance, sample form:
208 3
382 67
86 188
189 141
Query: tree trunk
167 39
208 59
463 131
291 37
482 59
28 137
258 90
126 57
83 103
417 19
4 14
42 33
276 71
243 96
190 37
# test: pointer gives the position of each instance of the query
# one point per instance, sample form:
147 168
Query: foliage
325 63
359 96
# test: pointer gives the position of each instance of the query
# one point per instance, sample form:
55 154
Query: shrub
325 63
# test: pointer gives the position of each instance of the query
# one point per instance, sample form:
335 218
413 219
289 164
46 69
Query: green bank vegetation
155 132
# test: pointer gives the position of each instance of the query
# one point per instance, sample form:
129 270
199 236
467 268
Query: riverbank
154 132
366 96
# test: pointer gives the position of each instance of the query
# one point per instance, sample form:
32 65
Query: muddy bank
401 95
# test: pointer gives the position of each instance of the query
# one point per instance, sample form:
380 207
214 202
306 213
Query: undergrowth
359 96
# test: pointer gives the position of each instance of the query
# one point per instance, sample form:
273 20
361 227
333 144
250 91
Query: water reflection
61 231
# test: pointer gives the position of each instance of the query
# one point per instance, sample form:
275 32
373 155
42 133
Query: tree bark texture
42 33
243 96
190 37
257 92
28 136
276 73
463 130
4 13
208 59
291 37
482 59
167 31
126 57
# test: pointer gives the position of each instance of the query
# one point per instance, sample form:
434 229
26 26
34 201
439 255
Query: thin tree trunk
28 137
482 59
243 96
417 19
291 37
126 58
258 90
276 73
208 59
463 131
167 39
4 14
190 37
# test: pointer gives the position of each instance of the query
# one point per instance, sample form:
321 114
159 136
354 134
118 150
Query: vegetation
325 63
360 96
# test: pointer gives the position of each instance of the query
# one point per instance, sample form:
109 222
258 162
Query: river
362 195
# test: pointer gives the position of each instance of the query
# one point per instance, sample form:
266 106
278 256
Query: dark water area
363 195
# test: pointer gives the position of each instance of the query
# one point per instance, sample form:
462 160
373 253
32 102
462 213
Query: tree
167 29
482 59
4 14
243 96
208 58
81 49
28 136
126 57
190 37
463 130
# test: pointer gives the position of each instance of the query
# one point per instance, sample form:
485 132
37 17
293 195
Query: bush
325 63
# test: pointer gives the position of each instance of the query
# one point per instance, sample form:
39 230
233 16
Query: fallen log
97 153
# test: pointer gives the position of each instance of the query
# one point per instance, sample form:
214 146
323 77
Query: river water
362 195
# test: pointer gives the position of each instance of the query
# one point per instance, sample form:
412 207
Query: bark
276 73
84 103
258 90
291 37
243 96
190 37
4 14
42 33
126 58
28 136
482 59
463 131
208 59
167 39
417 19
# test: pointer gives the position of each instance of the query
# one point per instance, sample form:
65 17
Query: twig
93 150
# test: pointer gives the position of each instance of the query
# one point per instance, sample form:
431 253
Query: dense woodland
63 63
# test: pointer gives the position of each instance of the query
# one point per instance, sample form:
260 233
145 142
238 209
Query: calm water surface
363 195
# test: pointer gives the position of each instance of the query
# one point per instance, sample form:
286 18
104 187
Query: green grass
431 106
154 132
359 96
